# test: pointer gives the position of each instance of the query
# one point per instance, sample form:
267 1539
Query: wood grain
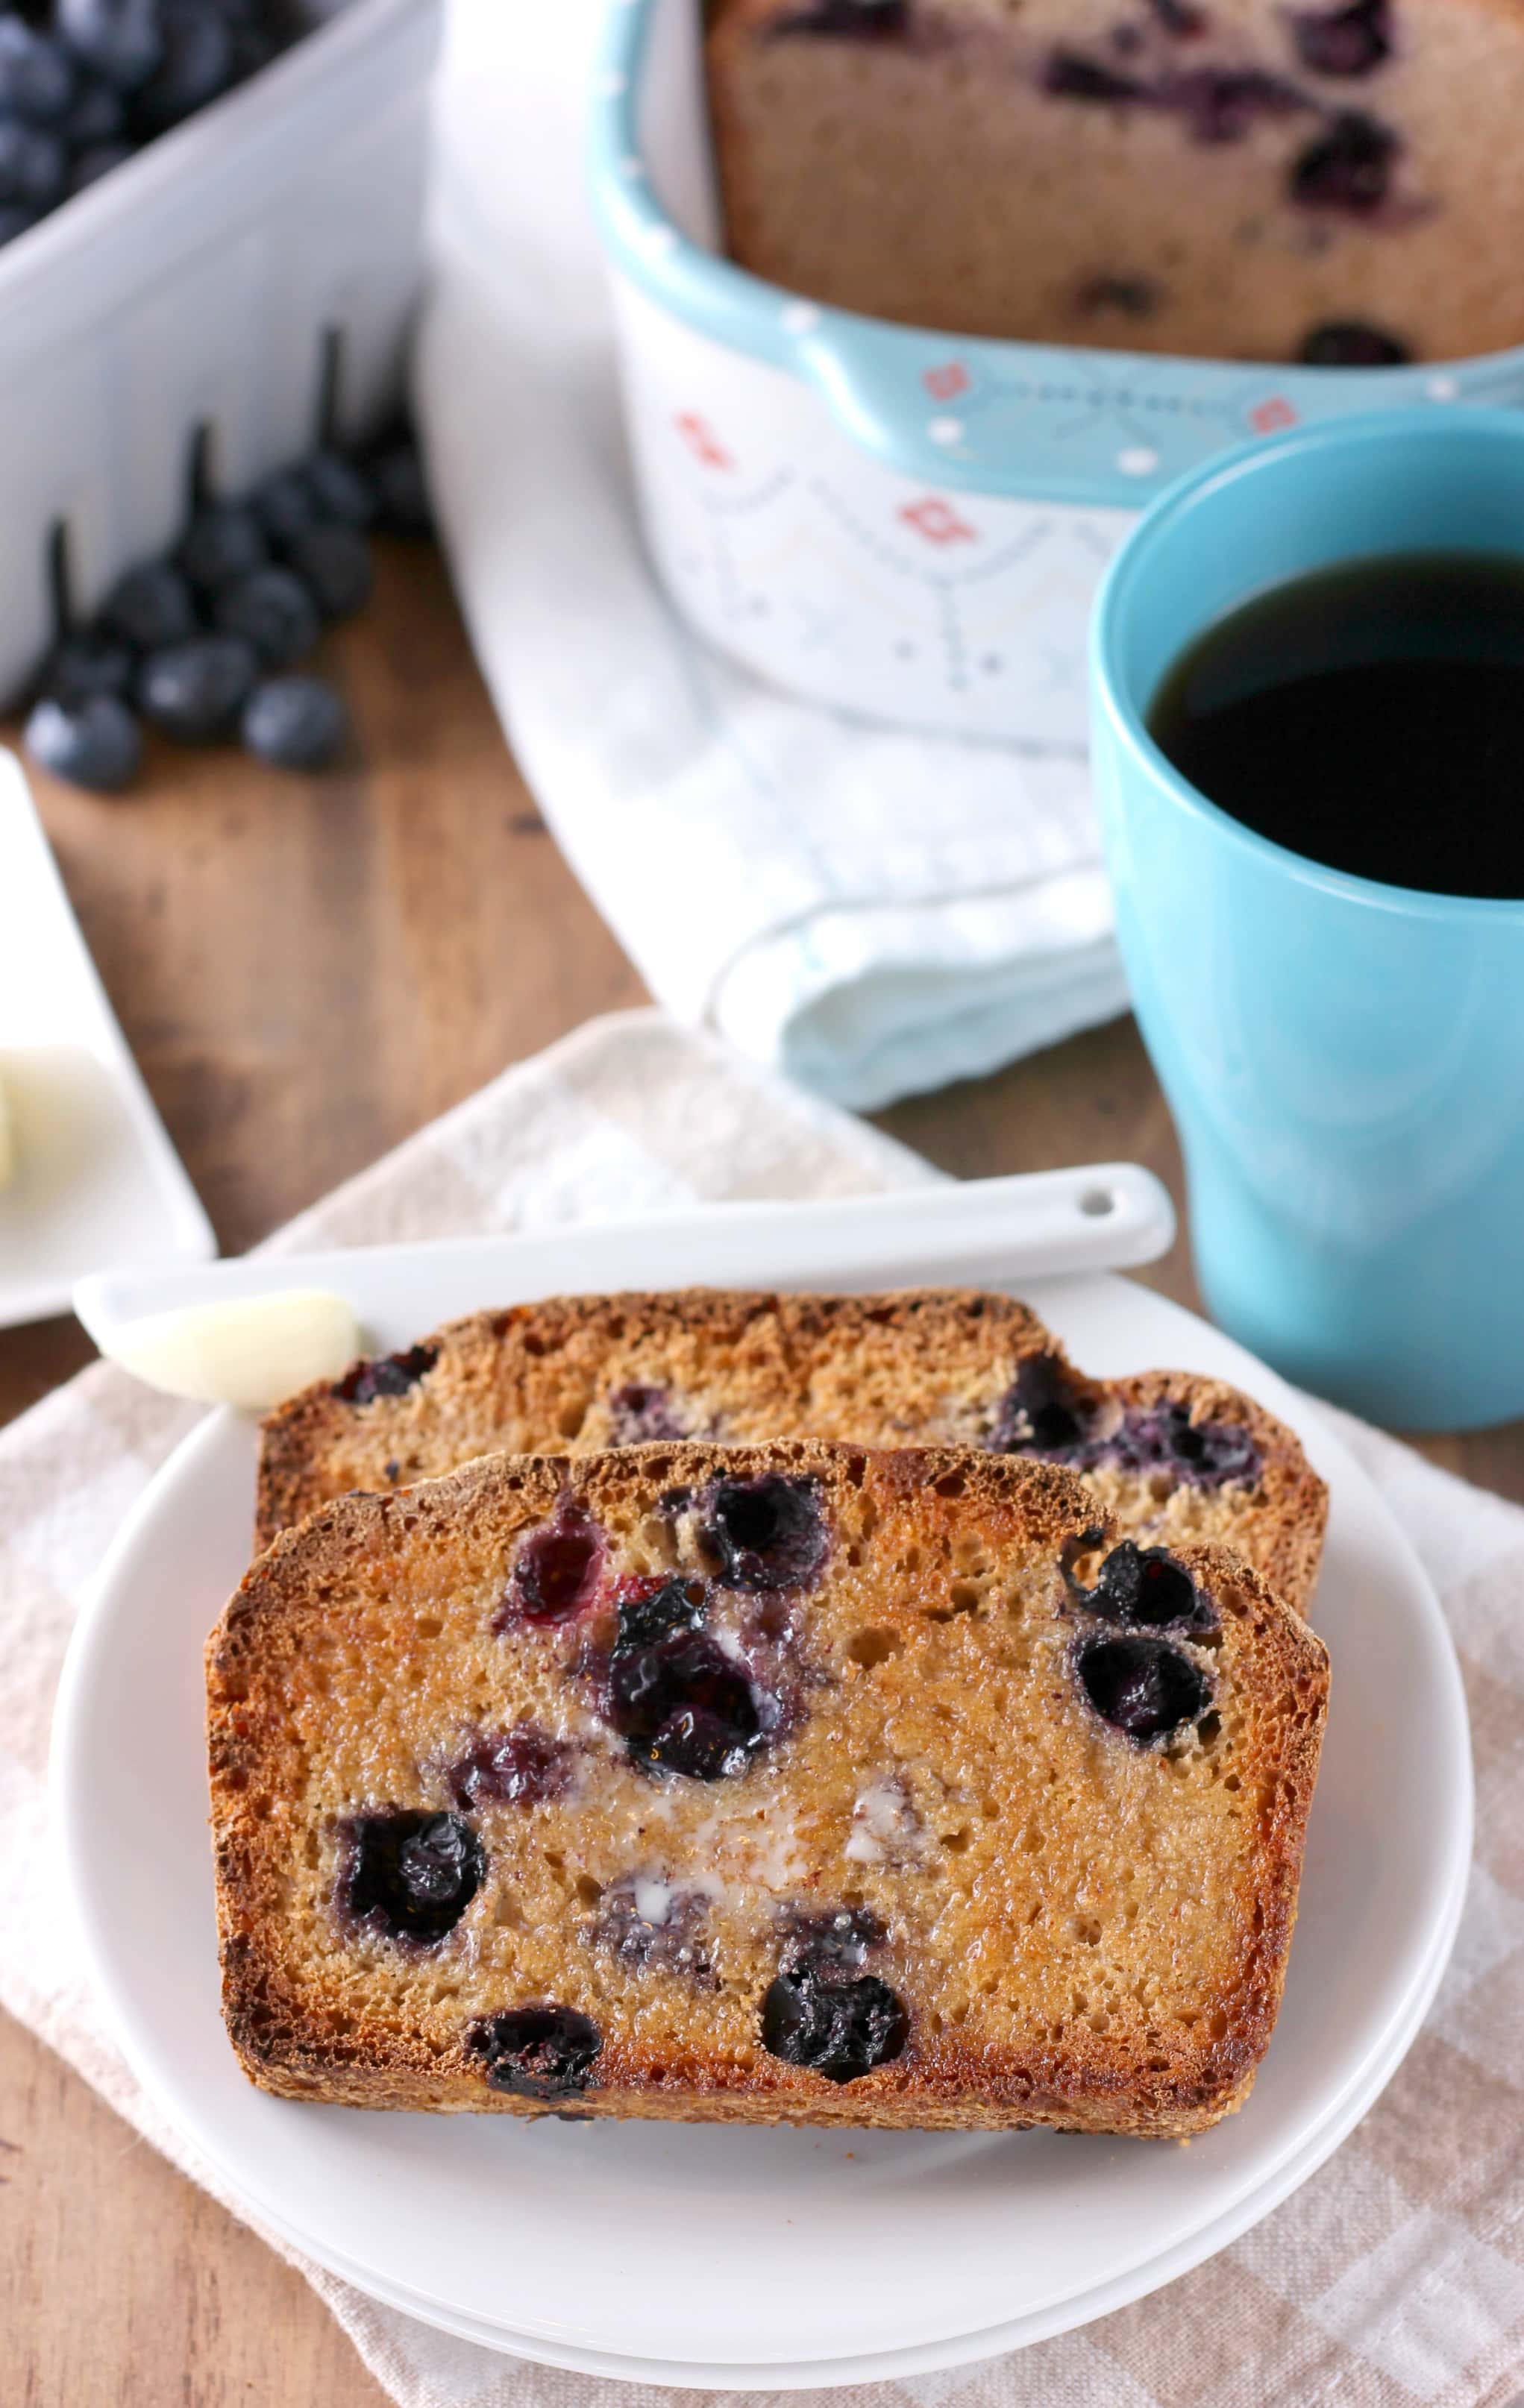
307 970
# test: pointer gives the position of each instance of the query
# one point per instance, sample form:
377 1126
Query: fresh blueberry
151 606
1349 343
92 742
836 2026
854 20
220 544
96 160
539 2052
410 1875
333 562
522 1767
555 1573
1352 41
1046 1410
121 39
402 491
95 114
1142 1686
1350 167
675 1943
36 73
33 165
90 662
272 609
681 1704
342 494
295 722
384 1375
1146 1587
638 1414
1069 75
196 64
16 218
195 690
284 504
767 1533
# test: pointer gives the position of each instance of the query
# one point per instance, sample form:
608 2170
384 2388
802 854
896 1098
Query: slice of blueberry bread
787 1783
1172 1458
1337 183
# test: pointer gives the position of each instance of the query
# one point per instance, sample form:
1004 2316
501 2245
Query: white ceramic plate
96 1179
682 2252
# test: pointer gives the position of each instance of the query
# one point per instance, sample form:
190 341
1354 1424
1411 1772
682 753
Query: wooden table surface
306 971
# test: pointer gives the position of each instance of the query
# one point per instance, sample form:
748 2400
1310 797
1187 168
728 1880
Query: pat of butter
250 1351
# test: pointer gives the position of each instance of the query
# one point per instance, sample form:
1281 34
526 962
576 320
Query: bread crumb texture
798 1783
1172 1458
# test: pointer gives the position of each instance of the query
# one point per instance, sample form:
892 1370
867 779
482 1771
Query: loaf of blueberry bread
789 1783
1171 1457
1340 184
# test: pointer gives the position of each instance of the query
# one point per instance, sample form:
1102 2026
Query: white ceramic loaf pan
906 524
201 296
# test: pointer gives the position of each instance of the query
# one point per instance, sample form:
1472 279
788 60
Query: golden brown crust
352 1641
929 1365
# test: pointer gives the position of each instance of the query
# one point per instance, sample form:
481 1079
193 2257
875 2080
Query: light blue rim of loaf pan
1112 428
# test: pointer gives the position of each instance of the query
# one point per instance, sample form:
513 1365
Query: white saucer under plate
675 2252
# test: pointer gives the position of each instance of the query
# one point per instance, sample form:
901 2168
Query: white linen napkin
1394 2277
874 913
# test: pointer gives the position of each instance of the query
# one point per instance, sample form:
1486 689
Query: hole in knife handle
1096 1202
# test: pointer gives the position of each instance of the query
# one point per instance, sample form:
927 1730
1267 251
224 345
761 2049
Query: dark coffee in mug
1370 717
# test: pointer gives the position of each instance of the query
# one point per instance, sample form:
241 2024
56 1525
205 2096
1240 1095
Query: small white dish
96 1179
803 2256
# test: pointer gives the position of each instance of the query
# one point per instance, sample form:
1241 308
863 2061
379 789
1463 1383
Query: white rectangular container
204 297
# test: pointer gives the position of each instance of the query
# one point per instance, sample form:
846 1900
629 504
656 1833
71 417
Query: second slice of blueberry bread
1171 1456
772 1784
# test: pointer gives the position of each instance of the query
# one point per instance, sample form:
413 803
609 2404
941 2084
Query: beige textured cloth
1395 2276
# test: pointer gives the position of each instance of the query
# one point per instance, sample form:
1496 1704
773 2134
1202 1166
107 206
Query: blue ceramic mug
1345 1059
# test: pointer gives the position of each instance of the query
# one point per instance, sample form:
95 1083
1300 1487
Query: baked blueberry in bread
1172 1458
794 1783
1337 183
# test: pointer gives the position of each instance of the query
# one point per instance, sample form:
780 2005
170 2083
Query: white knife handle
979 1232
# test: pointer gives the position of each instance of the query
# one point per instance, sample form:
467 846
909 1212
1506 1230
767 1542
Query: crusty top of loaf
918 1367
1084 1930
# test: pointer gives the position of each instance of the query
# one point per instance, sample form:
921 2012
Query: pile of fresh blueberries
84 83
203 645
